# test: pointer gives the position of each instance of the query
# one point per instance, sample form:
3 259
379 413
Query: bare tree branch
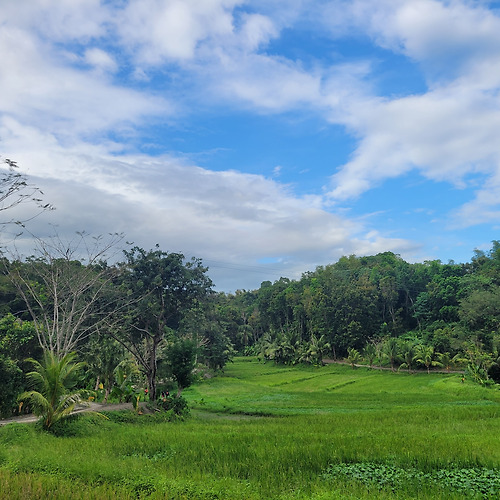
15 190
67 288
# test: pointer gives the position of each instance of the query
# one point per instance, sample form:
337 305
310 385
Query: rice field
261 431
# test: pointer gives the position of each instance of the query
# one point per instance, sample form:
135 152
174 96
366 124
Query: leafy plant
353 356
53 397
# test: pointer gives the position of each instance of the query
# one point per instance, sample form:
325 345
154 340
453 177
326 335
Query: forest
153 320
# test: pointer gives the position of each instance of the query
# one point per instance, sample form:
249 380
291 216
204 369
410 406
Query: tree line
153 321
377 308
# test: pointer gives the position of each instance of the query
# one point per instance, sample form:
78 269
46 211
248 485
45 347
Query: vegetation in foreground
275 432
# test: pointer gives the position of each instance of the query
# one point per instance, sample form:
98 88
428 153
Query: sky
265 138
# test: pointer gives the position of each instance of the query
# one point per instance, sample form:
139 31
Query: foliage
11 382
18 338
353 356
164 288
472 482
103 356
425 355
177 405
181 356
127 386
53 380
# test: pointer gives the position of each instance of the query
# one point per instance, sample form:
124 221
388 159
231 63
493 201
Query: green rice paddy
261 431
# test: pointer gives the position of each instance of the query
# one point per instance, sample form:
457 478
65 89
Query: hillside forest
150 322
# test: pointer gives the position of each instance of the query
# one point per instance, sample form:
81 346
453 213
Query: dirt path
387 368
26 419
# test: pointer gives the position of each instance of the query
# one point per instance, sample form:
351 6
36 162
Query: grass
268 432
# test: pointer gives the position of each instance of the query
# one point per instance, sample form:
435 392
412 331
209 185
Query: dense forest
149 322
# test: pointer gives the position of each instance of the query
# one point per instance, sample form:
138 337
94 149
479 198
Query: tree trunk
152 369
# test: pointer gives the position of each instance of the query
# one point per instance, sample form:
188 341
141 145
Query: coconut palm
391 351
53 380
370 353
353 356
448 362
409 351
425 356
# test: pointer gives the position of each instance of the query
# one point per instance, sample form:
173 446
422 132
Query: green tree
53 396
102 354
448 362
181 356
370 353
390 350
164 287
425 356
18 339
480 311
11 382
353 356
408 352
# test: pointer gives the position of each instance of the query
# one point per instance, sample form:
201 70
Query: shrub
175 404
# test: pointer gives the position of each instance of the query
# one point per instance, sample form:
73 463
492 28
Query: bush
11 382
176 405
77 425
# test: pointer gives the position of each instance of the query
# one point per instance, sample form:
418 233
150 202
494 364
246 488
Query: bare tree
66 287
15 190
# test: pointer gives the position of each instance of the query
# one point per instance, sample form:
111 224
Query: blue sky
264 137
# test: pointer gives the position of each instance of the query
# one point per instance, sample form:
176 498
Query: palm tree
53 381
425 356
391 351
408 353
449 362
370 353
353 356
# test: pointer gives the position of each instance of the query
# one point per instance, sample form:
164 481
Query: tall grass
262 431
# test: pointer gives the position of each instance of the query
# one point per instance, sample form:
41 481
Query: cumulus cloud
159 30
82 71
230 217
447 133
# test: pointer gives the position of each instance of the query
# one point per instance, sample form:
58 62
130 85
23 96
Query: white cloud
100 59
228 216
62 99
162 30
447 133
59 100
57 20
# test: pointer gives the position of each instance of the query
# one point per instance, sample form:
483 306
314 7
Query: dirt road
26 419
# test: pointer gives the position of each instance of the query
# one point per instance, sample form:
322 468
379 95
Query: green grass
267 432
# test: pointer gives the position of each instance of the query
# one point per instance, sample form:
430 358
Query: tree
64 287
370 353
164 288
425 356
53 396
102 355
15 190
481 309
408 352
390 350
207 327
448 362
353 357
181 356
11 380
